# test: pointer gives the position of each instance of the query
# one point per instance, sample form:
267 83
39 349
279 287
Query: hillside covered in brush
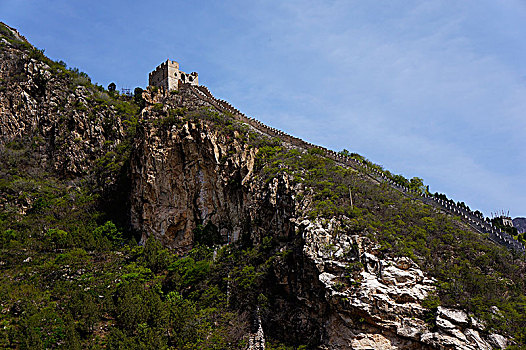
165 220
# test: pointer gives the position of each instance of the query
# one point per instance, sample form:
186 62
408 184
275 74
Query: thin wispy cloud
410 89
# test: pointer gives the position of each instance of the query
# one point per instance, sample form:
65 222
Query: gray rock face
520 224
498 341
189 176
68 126
455 316
379 305
256 341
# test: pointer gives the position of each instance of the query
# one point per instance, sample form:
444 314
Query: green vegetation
415 184
472 273
71 278
59 295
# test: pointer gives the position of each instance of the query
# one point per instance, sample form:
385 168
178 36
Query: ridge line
469 217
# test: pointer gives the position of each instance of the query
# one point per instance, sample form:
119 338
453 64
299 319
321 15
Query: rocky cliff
338 290
379 304
71 122
189 172
337 259
520 224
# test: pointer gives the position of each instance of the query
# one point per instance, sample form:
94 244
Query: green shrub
207 235
7 236
57 238
109 231
155 257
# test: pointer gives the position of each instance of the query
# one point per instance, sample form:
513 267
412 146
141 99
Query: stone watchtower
506 220
168 76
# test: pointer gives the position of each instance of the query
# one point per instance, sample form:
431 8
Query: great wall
469 217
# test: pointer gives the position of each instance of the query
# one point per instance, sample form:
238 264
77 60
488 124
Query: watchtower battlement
168 76
503 218
506 220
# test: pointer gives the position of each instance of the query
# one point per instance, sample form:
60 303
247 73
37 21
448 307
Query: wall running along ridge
468 216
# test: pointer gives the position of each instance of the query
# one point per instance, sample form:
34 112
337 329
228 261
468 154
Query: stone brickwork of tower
168 76
506 221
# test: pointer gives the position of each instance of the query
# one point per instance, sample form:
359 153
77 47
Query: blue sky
434 89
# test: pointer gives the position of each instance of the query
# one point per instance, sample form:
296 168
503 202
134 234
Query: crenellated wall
473 219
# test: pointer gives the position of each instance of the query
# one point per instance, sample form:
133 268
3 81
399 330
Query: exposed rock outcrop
520 224
190 176
376 300
70 124
256 341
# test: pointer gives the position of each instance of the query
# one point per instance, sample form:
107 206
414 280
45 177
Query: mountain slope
520 224
262 226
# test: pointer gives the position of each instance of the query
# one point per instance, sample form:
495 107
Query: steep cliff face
335 290
189 176
71 122
520 224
